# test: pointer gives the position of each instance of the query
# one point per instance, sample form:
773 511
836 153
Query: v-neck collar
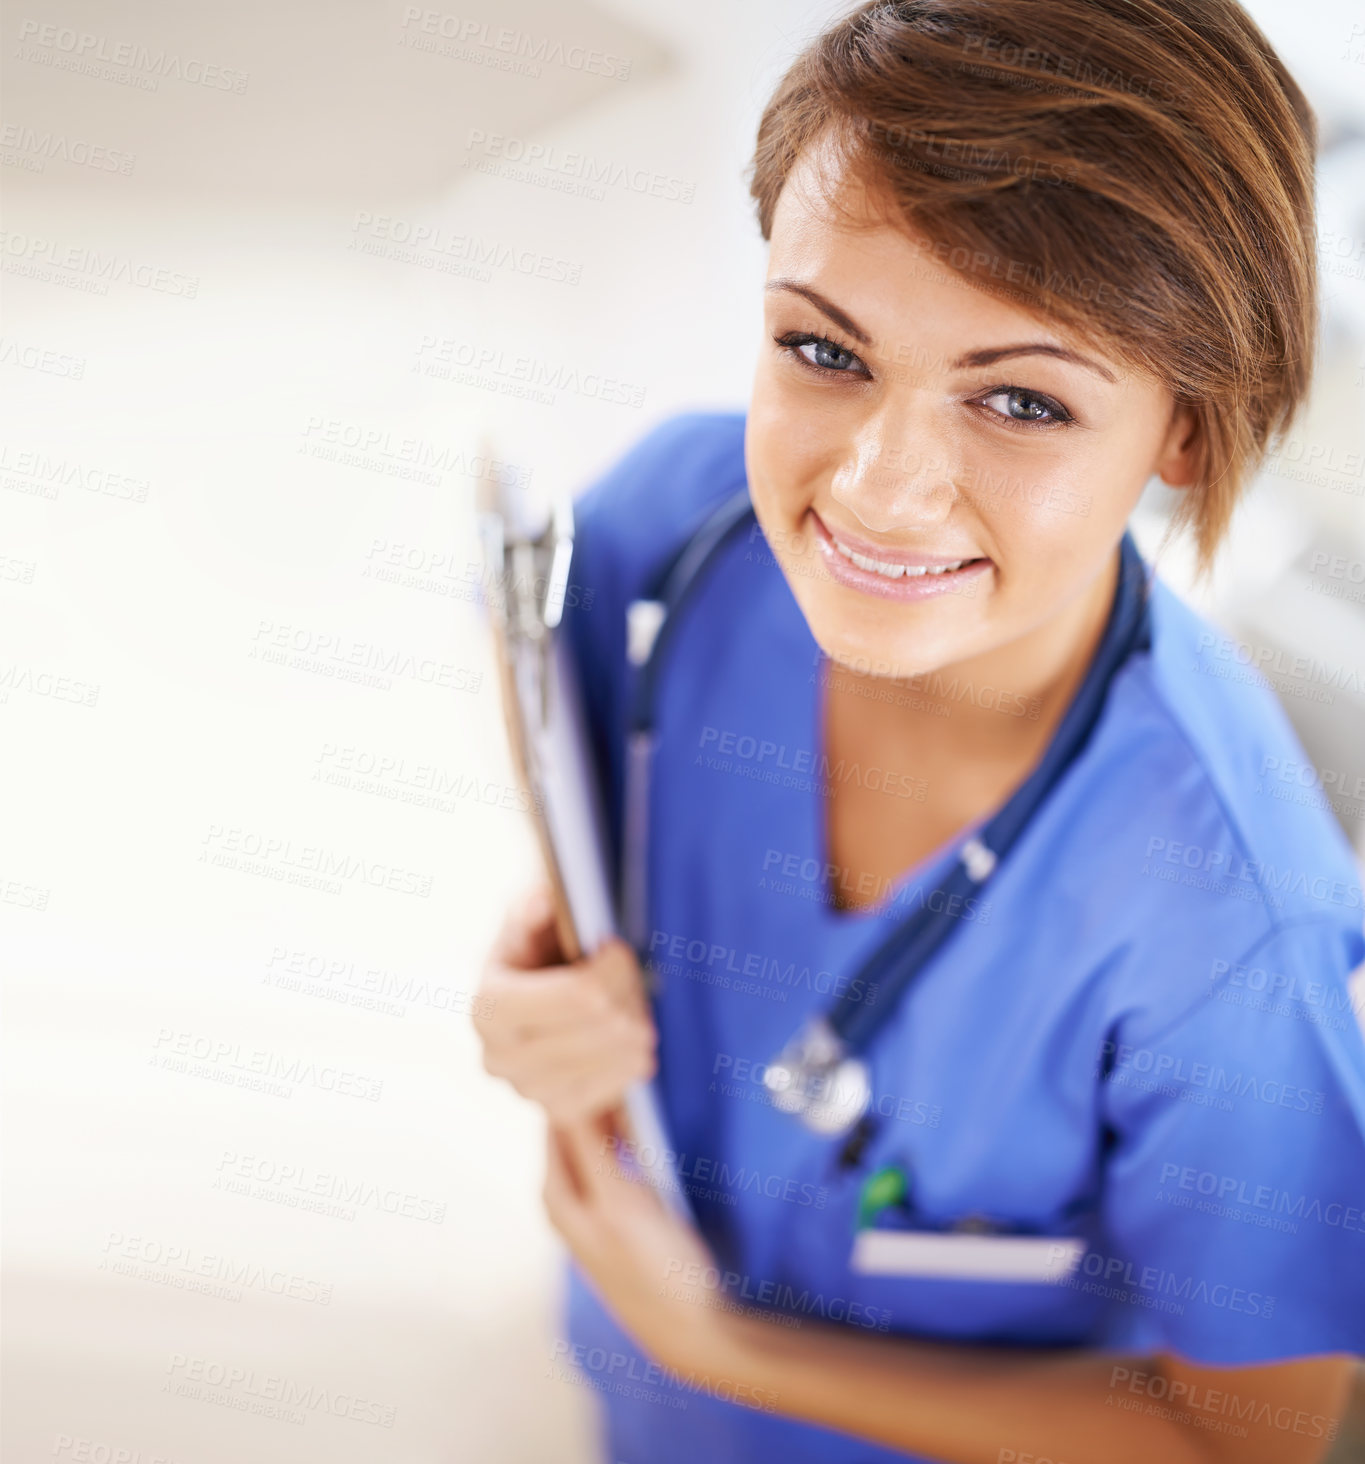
896 901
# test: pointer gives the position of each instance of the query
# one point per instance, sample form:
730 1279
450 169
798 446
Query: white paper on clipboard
527 556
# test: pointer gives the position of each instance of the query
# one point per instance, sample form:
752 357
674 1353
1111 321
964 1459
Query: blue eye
820 353
1025 407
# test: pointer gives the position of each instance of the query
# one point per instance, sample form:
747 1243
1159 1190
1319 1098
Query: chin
880 658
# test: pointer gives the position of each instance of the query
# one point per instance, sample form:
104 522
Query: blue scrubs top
1140 1034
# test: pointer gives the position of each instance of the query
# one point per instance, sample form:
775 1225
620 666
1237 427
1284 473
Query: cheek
783 463
1049 513
1035 535
1044 554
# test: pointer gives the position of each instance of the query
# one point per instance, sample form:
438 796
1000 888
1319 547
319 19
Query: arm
978 1405
961 1404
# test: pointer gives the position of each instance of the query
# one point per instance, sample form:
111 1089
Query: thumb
528 938
616 966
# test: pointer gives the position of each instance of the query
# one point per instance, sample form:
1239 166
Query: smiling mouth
917 575
912 566
895 571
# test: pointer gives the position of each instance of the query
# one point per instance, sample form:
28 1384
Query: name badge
1036 1258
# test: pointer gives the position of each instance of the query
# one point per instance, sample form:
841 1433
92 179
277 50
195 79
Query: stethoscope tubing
853 1020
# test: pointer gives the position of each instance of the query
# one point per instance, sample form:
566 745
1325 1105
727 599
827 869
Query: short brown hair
1141 170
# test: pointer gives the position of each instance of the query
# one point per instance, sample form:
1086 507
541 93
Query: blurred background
275 279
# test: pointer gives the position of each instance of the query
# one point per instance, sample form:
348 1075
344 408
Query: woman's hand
649 1268
573 1037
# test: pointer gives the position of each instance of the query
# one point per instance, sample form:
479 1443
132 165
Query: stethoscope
820 1075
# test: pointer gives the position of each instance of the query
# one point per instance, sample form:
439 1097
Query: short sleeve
1233 1211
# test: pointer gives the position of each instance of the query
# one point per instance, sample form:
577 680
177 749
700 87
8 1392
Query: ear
1177 461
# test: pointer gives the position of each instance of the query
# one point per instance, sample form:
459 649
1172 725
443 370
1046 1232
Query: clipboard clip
526 579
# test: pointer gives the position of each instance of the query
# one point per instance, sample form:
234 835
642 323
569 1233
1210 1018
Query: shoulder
1197 853
1248 762
650 501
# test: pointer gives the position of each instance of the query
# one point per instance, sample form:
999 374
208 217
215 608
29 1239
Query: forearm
968 1405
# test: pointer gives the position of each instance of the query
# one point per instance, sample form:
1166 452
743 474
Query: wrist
725 1344
742 1352
724 1357
694 1335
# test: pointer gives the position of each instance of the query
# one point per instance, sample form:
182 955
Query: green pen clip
885 1187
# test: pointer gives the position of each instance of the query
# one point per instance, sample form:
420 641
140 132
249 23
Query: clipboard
527 547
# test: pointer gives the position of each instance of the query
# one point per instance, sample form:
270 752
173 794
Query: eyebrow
986 357
1031 348
825 307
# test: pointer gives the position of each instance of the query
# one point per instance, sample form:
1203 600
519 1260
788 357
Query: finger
619 1125
577 1097
546 1000
618 1044
587 1151
557 1192
609 980
580 1097
616 968
616 1171
630 1178
527 937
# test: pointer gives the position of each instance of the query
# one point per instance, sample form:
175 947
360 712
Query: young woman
999 1010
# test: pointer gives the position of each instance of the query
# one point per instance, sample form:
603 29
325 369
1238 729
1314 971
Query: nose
899 476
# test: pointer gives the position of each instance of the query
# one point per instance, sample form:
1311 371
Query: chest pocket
963 1274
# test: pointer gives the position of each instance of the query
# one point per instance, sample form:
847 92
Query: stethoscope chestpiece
815 1078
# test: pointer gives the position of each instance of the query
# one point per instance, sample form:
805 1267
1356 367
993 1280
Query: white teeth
894 571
